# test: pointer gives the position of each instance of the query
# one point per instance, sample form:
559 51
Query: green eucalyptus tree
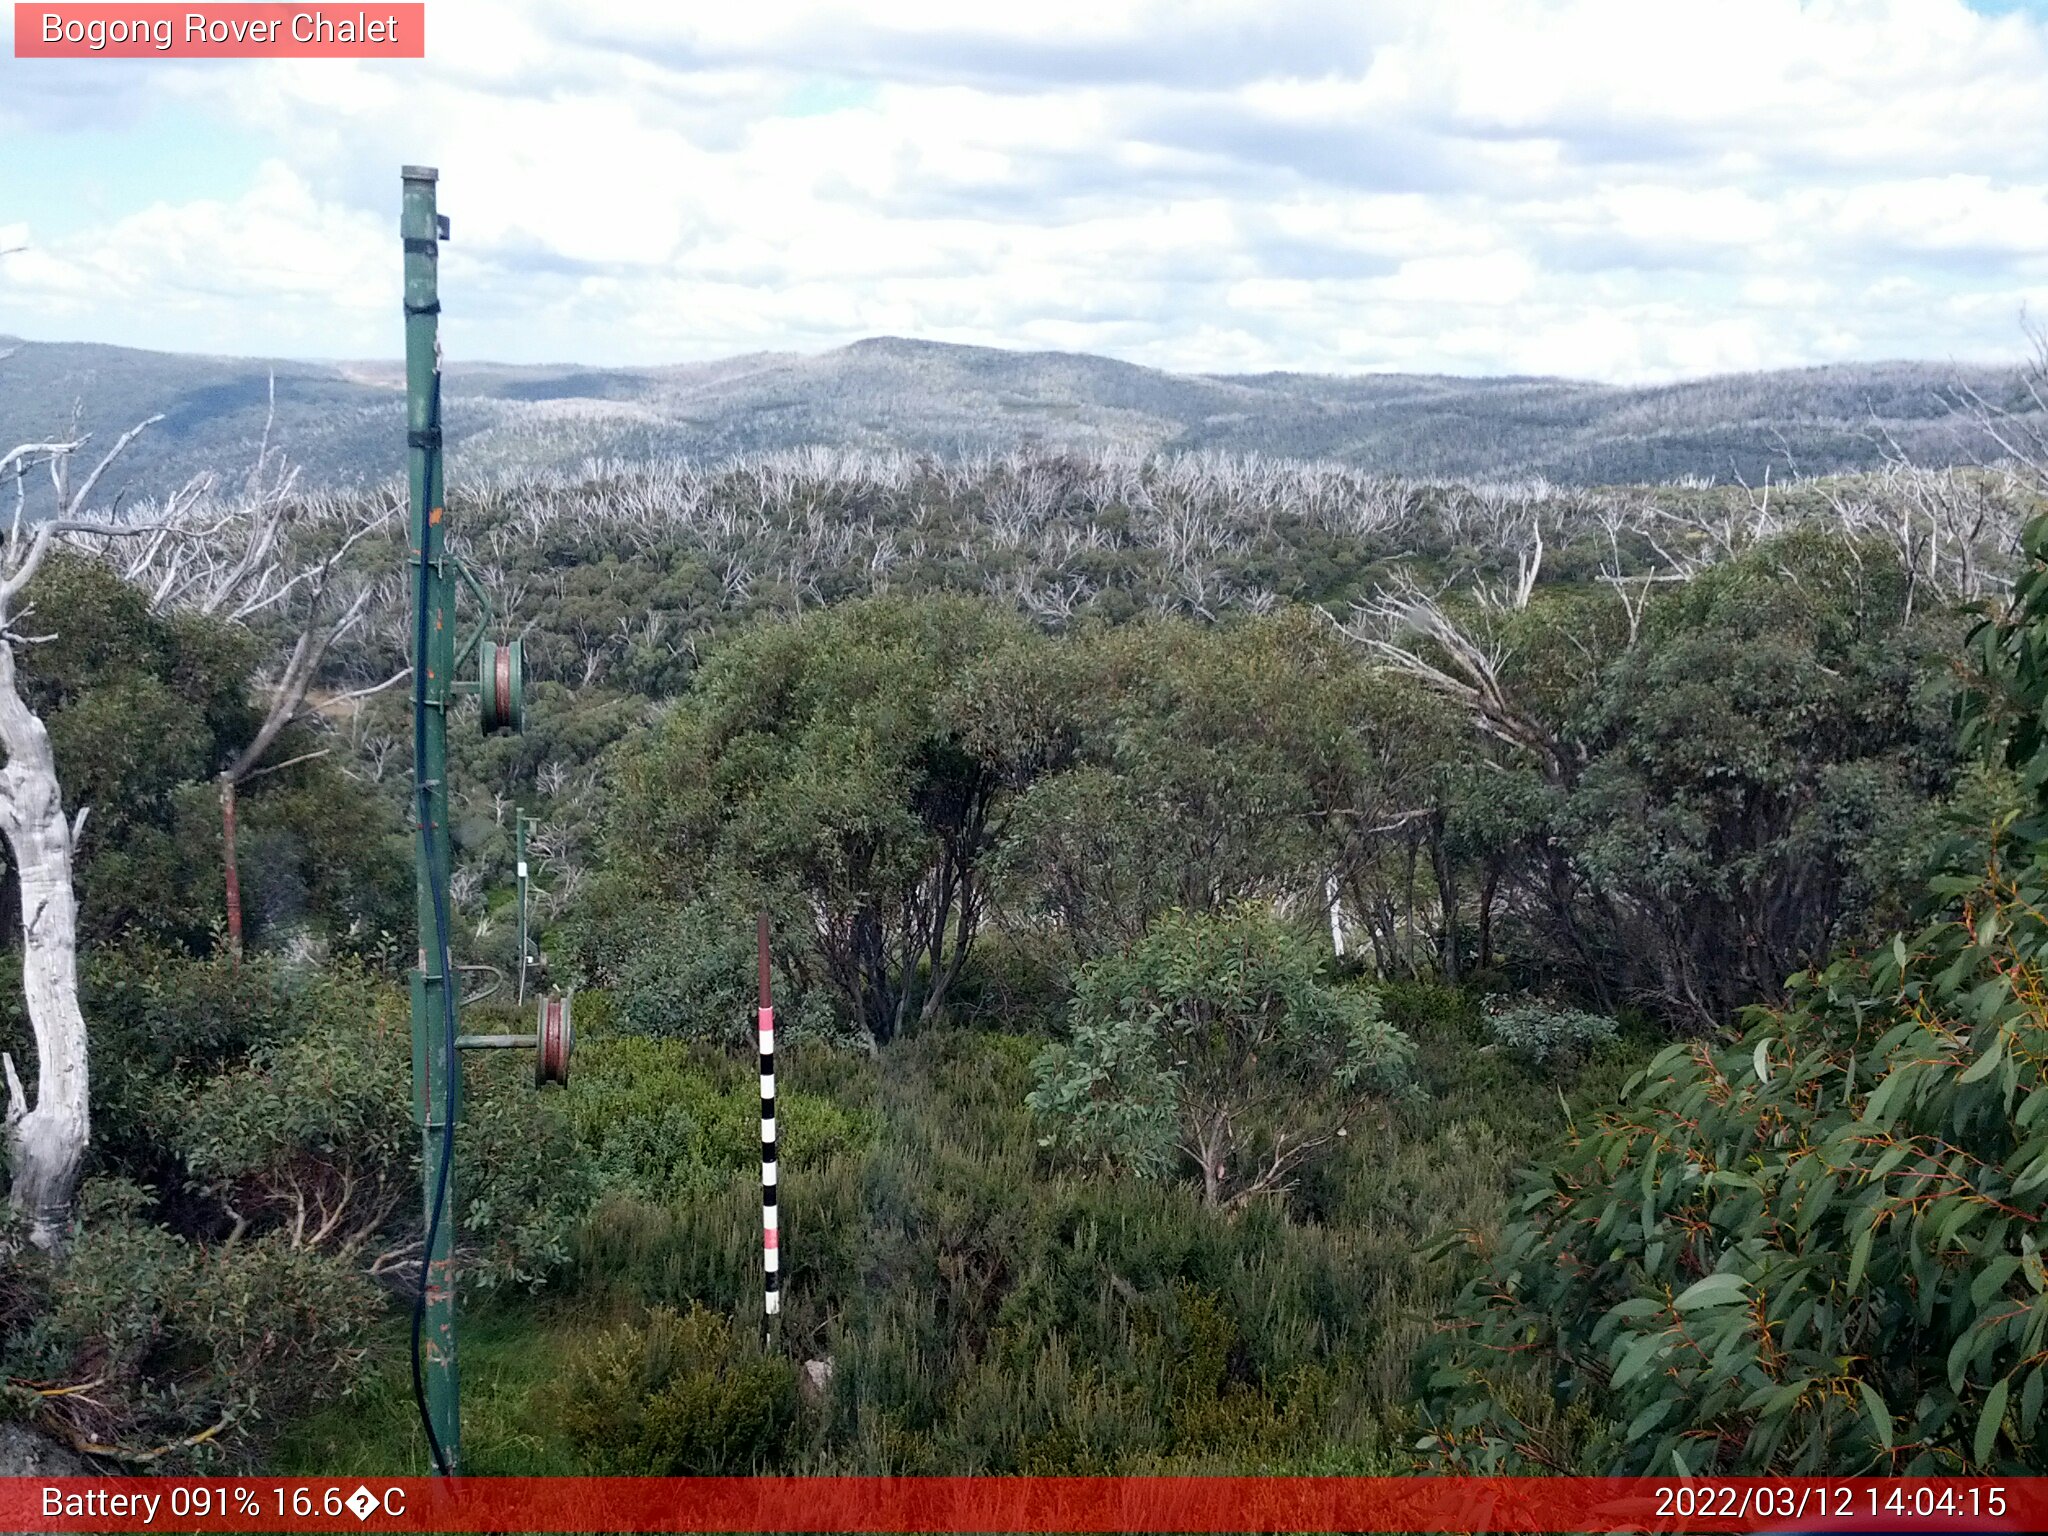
850 771
1214 1044
1816 1250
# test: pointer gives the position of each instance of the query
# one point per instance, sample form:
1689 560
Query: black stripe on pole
771 1224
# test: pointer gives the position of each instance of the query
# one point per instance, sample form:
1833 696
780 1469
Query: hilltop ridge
342 420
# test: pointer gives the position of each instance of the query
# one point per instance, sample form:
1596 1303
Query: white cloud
1615 188
272 269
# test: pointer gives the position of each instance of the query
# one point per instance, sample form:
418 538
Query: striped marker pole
771 1255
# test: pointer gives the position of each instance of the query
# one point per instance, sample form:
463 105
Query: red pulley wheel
501 682
556 1038
501 686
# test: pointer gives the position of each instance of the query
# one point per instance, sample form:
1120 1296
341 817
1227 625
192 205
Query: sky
1628 190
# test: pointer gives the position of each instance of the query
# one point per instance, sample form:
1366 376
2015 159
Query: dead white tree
1633 589
2017 431
1528 565
1408 631
1956 529
46 1140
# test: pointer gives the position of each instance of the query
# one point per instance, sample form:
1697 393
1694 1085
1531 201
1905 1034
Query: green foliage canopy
1815 1251
849 771
142 711
1213 1038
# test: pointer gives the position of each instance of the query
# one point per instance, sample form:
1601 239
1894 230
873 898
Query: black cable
424 790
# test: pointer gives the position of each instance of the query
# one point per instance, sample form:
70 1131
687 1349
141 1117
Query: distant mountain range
344 421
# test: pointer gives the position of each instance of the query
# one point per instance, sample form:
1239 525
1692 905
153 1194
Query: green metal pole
432 1060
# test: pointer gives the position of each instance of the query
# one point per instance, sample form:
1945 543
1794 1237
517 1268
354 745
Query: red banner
374 31
1015 1504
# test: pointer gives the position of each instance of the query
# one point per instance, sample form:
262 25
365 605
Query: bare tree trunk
230 868
1446 894
1211 1153
1486 891
1410 854
47 1143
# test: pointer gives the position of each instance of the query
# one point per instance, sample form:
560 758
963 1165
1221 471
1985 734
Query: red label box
1095 1505
361 31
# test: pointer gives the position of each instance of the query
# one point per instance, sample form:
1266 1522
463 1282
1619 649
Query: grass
510 1356
986 1309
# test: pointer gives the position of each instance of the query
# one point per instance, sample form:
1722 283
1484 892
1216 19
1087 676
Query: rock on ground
24 1453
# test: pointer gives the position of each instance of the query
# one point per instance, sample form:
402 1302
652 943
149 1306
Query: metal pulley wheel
501 686
553 1042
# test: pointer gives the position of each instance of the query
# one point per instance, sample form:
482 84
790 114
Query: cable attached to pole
438 901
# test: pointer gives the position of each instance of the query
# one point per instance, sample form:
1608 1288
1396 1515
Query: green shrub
193 1353
1215 1036
309 1133
1548 1039
1008 985
664 1121
169 1013
159 1018
844 771
1812 1252
1429 1011
597 1013
527 1179
694 976
1219 1404
1817 1250
679 1395
705 1249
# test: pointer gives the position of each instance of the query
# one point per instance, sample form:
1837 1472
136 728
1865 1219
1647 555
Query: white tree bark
46 1143
46 1140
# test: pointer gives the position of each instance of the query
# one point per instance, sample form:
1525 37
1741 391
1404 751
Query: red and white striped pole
771 1256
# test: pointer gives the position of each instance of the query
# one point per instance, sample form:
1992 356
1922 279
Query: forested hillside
343 420
1259 944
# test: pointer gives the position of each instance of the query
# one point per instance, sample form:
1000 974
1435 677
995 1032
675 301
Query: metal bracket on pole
483 623
500 680
554 1039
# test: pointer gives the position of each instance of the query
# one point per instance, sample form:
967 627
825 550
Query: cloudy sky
1617 189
